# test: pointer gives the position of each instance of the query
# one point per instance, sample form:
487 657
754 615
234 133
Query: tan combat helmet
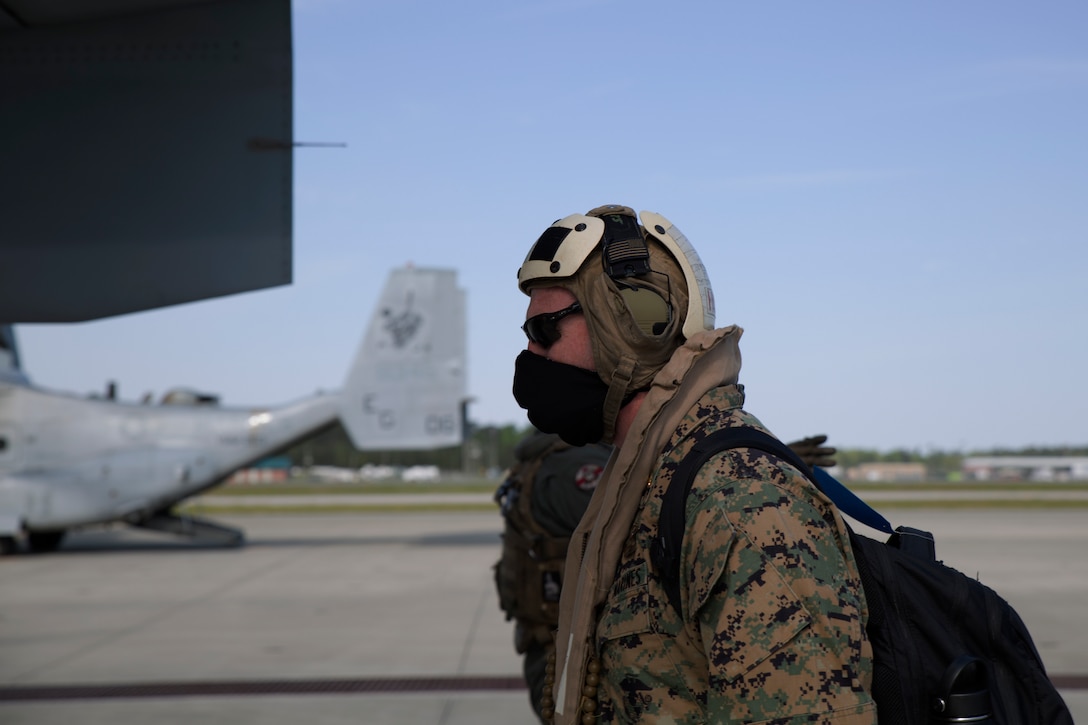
634 282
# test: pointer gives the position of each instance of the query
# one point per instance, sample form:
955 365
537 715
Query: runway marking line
481 683
259 687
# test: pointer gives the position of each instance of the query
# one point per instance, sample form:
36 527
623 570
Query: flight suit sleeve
773 602
563 486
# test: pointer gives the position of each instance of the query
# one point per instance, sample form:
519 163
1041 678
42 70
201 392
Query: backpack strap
848 502
665 550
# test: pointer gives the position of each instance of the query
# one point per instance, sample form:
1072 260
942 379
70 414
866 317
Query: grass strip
272 489
483 486
964 487
205 509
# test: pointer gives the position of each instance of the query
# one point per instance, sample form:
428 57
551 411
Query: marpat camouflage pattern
772 629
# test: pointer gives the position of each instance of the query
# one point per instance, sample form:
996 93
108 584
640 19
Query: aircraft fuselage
127 461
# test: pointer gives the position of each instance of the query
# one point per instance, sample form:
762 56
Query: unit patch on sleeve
587 476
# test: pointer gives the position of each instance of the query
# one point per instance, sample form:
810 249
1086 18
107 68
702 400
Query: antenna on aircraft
275 144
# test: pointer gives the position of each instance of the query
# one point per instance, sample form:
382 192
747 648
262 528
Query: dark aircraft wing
145 155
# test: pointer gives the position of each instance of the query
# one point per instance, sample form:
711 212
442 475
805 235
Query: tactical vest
529 575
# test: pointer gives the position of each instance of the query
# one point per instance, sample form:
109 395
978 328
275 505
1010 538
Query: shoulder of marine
748 515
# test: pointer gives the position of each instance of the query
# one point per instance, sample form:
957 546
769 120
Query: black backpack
946 648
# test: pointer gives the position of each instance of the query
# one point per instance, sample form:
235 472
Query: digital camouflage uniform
542 500
772 628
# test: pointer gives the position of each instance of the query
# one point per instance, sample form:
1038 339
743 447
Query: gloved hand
813 451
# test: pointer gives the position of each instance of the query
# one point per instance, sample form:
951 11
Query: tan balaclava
633 283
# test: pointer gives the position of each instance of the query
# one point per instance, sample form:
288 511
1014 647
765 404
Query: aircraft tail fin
407 385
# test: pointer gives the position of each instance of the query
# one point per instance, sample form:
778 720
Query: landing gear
199 530
41 542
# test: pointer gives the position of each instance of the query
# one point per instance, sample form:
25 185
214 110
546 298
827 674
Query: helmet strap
617 395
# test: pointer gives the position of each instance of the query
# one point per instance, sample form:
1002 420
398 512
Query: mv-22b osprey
67 461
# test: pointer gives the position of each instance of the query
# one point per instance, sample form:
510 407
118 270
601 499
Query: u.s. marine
771 623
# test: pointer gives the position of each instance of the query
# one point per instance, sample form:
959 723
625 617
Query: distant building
258 475
374 472
887 472
268 470
1026 468
420 473
329 474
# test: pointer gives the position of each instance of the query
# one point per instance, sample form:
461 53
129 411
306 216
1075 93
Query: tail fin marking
407 384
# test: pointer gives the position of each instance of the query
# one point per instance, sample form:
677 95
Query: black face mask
563 399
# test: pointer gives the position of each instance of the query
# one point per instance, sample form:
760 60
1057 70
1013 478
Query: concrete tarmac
379 618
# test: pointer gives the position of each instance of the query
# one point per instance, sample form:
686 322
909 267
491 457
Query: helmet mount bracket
623 248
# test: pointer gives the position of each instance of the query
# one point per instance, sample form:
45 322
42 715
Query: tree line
486 448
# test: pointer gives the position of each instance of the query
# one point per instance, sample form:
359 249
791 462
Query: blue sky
891 199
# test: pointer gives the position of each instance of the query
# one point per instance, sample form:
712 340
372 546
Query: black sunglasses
543 329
